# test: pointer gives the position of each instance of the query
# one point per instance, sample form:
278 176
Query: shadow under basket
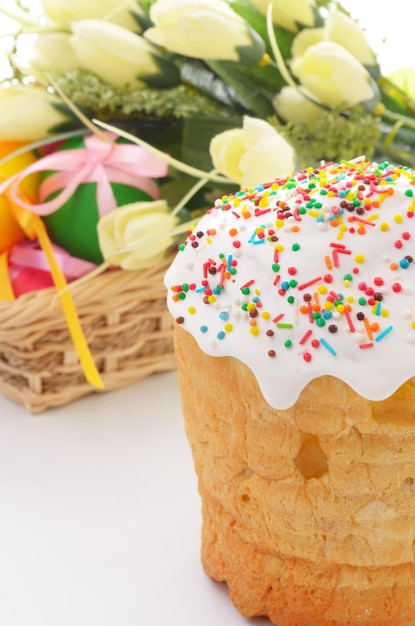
126 324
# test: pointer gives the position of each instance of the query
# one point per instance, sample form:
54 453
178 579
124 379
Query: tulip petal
137 235
333 74
113 53
186 27
67 11
271 157
17 124
289 13
225 150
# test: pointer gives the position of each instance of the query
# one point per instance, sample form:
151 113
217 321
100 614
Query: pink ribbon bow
100 161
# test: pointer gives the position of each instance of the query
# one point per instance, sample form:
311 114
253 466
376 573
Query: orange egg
10 230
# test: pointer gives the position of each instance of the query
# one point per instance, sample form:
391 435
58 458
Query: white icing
374 357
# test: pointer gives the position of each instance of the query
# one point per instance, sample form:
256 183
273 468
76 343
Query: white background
100 517
389 29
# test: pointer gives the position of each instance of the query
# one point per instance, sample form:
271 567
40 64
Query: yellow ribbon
6 291
18 223
69 309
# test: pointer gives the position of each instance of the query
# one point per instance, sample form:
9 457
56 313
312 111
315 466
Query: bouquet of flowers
128 119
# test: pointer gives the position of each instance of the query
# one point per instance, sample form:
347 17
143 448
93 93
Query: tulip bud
29 113
53 52
342 29
142 227
204 29
333 75
64 12
252 154
119 56
289 14
304 39
294 107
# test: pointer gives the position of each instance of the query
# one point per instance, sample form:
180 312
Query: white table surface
100 516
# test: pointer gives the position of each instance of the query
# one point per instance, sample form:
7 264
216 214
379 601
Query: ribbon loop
100 161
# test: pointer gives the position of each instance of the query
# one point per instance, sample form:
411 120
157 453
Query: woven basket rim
127 325
45 303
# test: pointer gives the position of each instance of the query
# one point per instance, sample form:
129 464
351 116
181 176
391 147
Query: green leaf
143 21
268 78
394 99
72 122
196 73
197 134
374 71
400 89
174 189
255 98
168 76
370 105
259 23
254 53
146 4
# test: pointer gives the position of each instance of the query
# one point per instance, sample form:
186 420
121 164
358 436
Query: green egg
74 225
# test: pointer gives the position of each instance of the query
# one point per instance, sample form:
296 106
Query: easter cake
294 313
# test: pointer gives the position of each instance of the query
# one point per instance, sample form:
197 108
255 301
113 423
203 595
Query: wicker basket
126 324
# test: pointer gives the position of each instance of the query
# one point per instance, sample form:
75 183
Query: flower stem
75 110
276 50
280 63
43 142
174 232
189 195
17 14
394 153
181 167
397 117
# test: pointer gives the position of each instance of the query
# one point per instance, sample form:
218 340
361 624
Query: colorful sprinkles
337 255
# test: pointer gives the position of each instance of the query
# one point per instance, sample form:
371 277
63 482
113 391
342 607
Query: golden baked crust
308 512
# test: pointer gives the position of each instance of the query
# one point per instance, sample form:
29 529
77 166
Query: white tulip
115 54
252 154
53 52
296 108
28 113
333 75
304 39
343 30
118 11
142 227
204 29
288 13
